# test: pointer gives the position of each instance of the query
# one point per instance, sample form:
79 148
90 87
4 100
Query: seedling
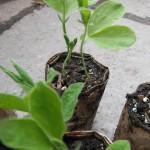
98 26
23 79
46 124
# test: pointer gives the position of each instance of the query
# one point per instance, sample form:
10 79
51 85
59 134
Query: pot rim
84 133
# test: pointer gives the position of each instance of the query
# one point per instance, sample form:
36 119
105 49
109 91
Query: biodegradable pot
5 114
93 90
134 123
88 140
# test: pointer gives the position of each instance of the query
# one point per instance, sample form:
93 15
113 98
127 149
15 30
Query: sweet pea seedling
98 25
46 124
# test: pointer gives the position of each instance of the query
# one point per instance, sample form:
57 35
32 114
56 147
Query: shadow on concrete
5 1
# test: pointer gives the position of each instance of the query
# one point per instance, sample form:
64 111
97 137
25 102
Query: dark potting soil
85 144
139 106
74 72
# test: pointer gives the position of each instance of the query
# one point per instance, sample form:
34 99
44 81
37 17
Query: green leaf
8 101
83 3
85 14
23 74
105 15
115 37
63 5
23 134
25 86
46 109
70 99
52 73
92 2
119 145
11 74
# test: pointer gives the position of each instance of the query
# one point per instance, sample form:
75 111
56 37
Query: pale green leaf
23 134
114 37
63 5
92 2
8 101
52 73
46 109
105 15
23 74
70 99
119 145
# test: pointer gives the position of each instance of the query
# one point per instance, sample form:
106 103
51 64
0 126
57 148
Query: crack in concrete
138 19
6 1
9 23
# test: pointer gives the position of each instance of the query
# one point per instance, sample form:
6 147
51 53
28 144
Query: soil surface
85 144
74 72
139 106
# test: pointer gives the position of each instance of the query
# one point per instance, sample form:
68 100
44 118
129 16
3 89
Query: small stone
134 109
146 121
145 99
135 105
63 88
90 70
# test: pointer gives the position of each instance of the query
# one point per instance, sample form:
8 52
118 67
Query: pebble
145 99
134 109
90 70
146 121
63 88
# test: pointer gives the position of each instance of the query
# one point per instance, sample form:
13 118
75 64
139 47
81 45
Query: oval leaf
62 5
70 99
120 145
23 134
105 15
46 109
114 37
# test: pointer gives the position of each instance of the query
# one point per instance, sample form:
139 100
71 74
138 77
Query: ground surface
31 36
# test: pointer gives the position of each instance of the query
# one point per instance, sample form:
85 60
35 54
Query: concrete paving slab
12 8
137 7
38 36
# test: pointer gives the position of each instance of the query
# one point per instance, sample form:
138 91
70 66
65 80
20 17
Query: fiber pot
88 140
134 124
5 114
93 90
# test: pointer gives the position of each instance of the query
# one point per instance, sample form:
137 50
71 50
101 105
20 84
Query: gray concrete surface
38 36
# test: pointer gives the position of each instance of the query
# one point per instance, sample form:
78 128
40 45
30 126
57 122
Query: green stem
68 57
82 54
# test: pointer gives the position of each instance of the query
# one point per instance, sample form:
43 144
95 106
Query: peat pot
5 114
134 124
93 90
88 140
